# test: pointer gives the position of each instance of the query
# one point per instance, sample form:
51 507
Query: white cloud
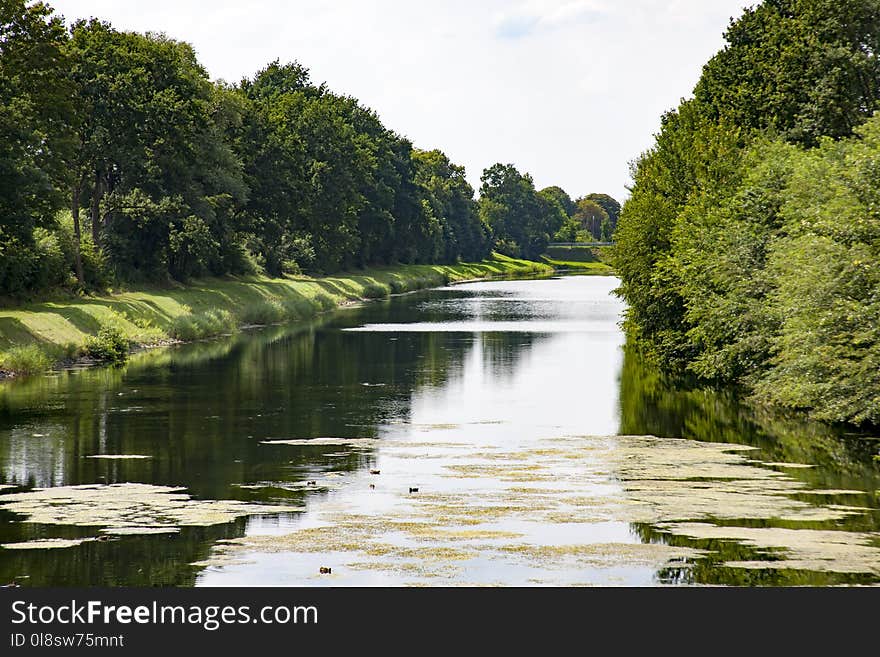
572 100
533 17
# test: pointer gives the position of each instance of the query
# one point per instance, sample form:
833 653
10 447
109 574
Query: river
491 433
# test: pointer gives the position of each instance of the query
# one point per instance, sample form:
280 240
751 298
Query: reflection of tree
711 569
654 405
502 351
141 561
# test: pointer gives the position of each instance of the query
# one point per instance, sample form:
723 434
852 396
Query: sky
570 91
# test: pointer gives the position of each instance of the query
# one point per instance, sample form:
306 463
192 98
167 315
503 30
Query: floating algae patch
139 531
669 479
801 549
408 568
325 442
339 538
602 554
127 506
46 544
794 466
119 457
518 509
522 474
686 500
649 458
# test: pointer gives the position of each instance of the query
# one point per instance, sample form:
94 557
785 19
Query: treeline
166 174
749 251
121 161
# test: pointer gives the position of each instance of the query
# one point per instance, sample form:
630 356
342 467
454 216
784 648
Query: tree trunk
95 210
77 235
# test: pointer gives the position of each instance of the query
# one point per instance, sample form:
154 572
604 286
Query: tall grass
29 359
203 325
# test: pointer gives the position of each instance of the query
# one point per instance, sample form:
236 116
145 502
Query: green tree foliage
747 250
560 196
825 266
520 218
610 205
591 217
451 199
150 134
34 104
163 174
802 68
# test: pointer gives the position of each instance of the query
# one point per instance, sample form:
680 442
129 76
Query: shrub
109 346
374 291
263 312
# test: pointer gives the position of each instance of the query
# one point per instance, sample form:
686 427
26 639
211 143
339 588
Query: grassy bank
35 337
582 260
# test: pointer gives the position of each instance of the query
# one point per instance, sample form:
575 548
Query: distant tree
591 216
519 217
451 199
560 196
609 204
556 214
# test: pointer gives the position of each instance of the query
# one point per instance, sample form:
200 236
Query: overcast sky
567 90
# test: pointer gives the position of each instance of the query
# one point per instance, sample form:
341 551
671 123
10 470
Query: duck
413 490
325 570
12 585
375 472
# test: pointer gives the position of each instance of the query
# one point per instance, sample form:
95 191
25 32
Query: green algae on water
325 442
46 544
127 506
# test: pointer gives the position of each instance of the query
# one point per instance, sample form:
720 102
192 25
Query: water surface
511 407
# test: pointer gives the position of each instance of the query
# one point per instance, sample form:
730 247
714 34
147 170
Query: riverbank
596 261
35 337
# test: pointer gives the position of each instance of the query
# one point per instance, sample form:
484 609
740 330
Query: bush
263 312
109 346
374 291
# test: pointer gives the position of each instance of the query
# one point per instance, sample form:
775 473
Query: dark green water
493 363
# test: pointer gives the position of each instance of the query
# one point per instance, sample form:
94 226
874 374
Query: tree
147 138
451 199
610 205
590 216
34 139
560 196
691 152
801 68
520 219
